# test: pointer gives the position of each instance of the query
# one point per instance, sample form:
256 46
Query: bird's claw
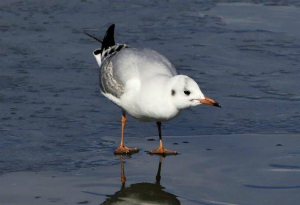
125 150
163 151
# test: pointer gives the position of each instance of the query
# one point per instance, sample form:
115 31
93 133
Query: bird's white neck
159 93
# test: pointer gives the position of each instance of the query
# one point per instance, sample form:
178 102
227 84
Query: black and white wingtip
109 40
108 47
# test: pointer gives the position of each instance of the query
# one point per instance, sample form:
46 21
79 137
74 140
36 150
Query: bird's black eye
187 92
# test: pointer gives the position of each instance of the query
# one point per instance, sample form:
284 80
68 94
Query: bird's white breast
149 100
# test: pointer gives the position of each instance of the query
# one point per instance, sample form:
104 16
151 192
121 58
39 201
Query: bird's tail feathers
107 42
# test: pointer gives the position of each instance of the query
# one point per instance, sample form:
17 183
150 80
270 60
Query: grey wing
132 63
108 83
162 59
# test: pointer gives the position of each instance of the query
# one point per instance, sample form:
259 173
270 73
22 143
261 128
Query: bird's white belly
148 111
151 116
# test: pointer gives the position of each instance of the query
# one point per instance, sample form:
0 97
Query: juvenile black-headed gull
145 85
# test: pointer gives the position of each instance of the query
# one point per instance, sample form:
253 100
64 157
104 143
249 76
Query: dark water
246 55
210 170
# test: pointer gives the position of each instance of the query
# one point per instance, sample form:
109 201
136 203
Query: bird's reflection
142 193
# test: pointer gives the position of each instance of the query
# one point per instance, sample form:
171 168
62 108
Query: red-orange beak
209 101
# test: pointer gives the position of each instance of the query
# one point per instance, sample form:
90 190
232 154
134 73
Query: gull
144 84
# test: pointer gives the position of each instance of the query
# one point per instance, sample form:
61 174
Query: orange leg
161 150
122 149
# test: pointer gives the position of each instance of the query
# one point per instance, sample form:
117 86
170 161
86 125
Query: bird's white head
185 93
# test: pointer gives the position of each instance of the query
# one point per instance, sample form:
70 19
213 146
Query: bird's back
140 64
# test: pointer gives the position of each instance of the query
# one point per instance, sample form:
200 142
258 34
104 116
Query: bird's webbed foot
162 151
125 150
